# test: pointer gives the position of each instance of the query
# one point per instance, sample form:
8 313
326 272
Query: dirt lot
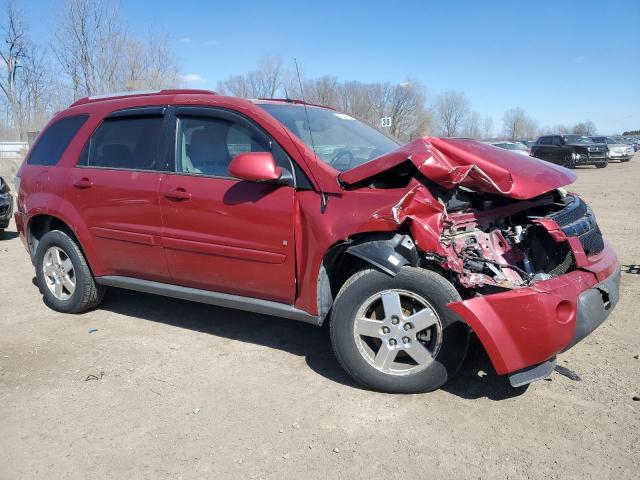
171 389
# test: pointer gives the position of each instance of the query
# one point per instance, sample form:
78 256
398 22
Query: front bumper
591 159
626 154
528 327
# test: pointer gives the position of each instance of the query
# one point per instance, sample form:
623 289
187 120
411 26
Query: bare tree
265 82
518 125
451 108
89 43
472 126
149 64
13 55
585 128
487 126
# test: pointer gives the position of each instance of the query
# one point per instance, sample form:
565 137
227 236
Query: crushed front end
539 278
528 258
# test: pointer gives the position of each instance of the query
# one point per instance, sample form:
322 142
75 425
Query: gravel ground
170 389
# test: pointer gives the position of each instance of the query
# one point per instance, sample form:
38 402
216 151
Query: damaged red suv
303 212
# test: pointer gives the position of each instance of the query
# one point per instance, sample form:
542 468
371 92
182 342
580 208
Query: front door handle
83 182
177 194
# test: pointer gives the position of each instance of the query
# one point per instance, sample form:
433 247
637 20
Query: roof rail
296 102
139 93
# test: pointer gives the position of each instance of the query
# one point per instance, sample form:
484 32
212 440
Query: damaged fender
387 255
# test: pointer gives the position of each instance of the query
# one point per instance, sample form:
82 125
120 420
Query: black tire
427 284
625 160
601 165
1 233
87 294
569 162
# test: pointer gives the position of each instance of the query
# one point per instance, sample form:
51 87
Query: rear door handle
83 182
177 194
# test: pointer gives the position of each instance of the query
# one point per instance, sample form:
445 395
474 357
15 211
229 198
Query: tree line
90 50
414 113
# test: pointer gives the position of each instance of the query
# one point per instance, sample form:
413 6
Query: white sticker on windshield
344 116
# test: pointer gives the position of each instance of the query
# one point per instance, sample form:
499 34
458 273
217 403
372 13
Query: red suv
300 211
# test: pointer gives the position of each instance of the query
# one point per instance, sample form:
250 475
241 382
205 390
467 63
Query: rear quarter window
55 140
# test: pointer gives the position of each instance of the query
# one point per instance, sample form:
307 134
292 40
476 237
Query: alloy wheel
59 274
397 332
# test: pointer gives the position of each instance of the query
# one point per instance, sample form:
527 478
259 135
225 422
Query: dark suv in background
570 151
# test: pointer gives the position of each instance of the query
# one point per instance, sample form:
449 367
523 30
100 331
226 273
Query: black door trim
249 304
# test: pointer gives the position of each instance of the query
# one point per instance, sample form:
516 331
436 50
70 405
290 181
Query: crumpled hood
472 164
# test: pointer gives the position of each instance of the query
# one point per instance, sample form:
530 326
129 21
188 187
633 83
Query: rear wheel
63 275
395 334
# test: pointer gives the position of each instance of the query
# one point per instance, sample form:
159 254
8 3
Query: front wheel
569 162
396 334
602 165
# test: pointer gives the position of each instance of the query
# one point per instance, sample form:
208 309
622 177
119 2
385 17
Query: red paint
255 167
268 241
476 165
520 328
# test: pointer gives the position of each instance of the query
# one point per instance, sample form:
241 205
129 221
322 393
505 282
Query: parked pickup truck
570 151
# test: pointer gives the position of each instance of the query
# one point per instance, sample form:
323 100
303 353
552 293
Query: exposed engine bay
490 240
506 246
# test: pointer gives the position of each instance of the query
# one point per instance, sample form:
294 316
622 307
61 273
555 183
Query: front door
223 234
115 186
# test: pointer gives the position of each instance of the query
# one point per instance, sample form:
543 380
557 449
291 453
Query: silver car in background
616 149
516 147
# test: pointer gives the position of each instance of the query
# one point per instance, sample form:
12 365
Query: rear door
223 234
115 187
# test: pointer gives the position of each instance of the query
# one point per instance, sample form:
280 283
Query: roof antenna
323 196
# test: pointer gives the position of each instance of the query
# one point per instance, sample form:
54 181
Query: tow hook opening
606 301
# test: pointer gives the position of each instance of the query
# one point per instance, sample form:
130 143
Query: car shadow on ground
8 235
298 338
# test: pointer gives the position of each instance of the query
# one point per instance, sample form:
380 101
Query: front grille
578 220
592 241
574 211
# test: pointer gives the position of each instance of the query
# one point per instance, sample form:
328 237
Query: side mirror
255 167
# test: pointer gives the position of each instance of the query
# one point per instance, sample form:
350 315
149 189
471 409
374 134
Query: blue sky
562 61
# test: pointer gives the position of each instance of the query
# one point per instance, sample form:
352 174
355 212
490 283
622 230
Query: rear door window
130 143
55 140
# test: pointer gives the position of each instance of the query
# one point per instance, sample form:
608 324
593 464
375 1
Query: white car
516 147
616 150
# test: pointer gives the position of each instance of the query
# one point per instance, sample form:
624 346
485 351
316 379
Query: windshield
338 139
577 139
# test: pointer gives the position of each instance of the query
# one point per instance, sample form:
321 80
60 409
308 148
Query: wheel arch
385 251
41 223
